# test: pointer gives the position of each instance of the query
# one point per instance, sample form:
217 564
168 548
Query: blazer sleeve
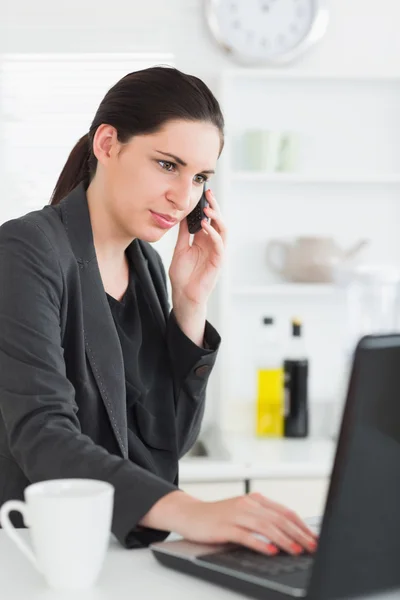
191 368
37 401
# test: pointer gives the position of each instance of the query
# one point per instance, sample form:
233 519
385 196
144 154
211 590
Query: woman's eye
168 166
200 179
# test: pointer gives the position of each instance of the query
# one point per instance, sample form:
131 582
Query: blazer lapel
102 344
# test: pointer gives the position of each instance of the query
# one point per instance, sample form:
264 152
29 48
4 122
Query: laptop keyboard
283 568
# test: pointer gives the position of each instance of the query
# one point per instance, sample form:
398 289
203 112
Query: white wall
362 37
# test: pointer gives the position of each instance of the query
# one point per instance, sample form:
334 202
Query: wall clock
266 32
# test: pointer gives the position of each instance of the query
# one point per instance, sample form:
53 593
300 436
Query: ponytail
75 170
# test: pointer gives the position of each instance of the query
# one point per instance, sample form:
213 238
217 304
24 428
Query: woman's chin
152 235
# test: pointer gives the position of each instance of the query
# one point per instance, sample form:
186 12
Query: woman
98 378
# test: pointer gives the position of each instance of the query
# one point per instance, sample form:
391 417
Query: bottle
270 391
296 368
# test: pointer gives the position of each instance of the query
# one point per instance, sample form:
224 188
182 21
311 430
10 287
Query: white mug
70 523
261 150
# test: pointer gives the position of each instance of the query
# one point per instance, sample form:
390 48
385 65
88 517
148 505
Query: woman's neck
109 240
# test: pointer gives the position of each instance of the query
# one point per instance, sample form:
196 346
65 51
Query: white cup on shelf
261 150
70 523
269 151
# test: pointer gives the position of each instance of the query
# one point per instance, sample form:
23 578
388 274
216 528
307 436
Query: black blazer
62 387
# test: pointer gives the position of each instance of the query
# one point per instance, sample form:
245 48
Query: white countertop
252 458
126 575
136 573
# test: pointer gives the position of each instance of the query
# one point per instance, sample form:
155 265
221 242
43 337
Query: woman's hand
194 269
233 520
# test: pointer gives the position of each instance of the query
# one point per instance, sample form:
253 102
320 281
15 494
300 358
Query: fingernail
312 546
296 548
272 549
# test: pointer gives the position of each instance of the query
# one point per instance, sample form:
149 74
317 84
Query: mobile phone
195 217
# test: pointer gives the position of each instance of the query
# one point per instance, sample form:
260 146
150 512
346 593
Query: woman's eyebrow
182 162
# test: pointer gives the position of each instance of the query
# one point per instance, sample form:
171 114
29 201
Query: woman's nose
181 195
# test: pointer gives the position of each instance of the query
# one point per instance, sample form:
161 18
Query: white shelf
369 178
346 186
285 289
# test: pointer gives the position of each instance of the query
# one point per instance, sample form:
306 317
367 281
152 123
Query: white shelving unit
346 185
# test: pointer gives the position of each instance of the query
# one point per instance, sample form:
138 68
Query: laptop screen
363 556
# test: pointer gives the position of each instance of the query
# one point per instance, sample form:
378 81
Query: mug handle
276 248
11 531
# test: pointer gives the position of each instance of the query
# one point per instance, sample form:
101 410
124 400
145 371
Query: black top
140 337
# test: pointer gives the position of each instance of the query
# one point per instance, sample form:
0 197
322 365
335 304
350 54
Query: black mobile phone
195 217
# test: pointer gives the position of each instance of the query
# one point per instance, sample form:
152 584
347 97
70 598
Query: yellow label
270 402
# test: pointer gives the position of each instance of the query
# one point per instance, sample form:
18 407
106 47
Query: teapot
310 259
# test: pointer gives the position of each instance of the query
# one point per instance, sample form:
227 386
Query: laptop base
228 581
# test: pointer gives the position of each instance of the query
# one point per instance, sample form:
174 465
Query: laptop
359 544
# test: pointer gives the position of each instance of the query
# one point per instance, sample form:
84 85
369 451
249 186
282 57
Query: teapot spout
354 250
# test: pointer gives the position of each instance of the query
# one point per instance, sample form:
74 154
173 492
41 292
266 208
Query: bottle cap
296 327
268 320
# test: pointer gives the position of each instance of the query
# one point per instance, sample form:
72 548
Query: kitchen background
338 106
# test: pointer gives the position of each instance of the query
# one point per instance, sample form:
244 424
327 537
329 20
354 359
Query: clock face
266 30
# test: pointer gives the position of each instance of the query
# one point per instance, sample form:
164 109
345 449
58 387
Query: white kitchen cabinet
214 490
306 496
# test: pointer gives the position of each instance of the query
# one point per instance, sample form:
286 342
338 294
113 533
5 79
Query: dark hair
140 103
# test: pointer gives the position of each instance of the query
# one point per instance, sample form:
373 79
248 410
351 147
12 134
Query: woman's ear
105 143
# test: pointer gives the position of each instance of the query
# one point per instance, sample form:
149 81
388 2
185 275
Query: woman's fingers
211 199
217 222
249 520
267 524
280 530
293 532
215 236
284 511
244 537
256 524
213 211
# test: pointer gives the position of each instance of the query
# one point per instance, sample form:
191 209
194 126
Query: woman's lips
163 221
